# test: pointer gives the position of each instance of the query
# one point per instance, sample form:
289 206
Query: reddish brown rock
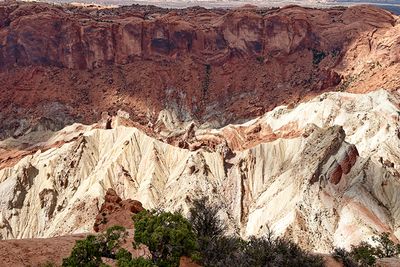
187 262
336 175
343 165
349 160
116 211
36 251
69 64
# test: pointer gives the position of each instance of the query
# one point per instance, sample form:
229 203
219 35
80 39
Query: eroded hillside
324 173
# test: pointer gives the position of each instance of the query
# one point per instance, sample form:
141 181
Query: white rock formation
295 170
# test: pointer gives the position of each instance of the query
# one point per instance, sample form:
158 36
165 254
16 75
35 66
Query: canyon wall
65 64
287 118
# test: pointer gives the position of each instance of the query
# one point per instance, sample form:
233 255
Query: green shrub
318 56
124 259
139 262
223 251
111 241
363 254
386 247
167 235
204 219
288 253
260 59
344 257
88 252
259 251
217 249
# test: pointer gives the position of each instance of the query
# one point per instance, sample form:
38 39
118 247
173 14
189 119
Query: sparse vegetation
335 52
346 82
260 59
215 248
375 64
88 252
204 219
167 235
386 247
344 257
364 254
124 259
206 81
218 249
318 56
203 237
85 253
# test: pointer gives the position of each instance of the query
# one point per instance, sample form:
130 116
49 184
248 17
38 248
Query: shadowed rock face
41 34
65 64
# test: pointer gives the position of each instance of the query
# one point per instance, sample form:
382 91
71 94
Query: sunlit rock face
323 173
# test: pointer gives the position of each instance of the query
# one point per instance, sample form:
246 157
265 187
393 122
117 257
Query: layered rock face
65 64
323 173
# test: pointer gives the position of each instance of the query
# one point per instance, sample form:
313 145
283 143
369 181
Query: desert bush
86 252
167 235
260 59
284 252
386 247
344 257
89 251
363 254
218 249
318 56
124 259
204 238
111 240
204 219
222 251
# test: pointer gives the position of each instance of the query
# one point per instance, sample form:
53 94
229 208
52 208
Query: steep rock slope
323 173
65 64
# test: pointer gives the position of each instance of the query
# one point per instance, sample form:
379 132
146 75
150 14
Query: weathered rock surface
36 251
115 211
66 64
323 173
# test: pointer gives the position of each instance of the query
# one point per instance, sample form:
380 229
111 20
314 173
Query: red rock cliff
64 63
